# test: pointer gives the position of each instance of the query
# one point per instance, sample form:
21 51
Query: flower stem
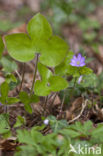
71 95
35 71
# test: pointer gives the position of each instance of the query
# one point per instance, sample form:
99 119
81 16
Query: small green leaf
70 133
20 47
34 98
8 65
41 88
90 81
27 100
24 97
66 69
57 83
10 78
19 122
12 100
24 136
49 82
4 125
62 69
1 47
28 108
97 134
57 125
45 73
77 71
4 90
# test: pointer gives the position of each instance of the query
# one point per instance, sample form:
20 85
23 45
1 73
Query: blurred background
79 22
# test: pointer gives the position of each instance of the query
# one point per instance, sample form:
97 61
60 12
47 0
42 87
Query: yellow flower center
78 62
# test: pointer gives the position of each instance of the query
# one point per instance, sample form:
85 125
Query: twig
20 78
45 103
54 99
34 77
84 104
62 103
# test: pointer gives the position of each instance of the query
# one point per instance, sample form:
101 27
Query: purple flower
78 61
46 121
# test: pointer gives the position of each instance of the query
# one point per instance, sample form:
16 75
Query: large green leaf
39 28
39 39
53 51
20 47
1 46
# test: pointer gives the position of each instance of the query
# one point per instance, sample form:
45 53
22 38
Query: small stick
45 103
54 98
77 117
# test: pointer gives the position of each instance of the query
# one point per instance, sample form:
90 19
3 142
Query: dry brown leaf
8 144
73 110
19 29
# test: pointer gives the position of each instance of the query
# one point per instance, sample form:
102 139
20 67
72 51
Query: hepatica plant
50 52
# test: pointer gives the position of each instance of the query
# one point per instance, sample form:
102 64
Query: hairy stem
22 77
35 71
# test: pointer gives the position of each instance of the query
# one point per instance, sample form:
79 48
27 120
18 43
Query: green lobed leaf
53 51
19 122
8 65
44 72
57 125
65 68
77 71
12 100
39 28
57 83
4 125
24 136
10 78
48 82
1 47
41 88
27 100
4 90
90 81
20 47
